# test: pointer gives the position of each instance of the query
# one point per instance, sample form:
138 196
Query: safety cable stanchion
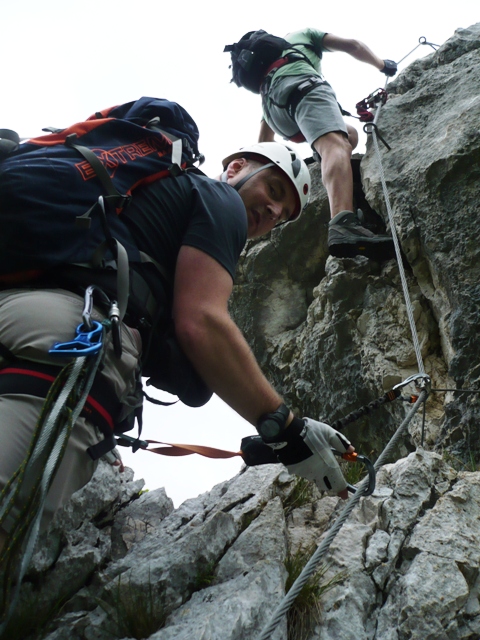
421 40
321 550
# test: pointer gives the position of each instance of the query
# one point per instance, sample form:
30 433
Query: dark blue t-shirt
188 210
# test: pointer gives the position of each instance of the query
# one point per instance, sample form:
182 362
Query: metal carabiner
85 343
424 384
114 317
356 457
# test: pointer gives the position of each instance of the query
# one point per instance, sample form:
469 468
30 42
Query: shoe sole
374 249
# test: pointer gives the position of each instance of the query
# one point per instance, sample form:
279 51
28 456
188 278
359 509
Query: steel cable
321 550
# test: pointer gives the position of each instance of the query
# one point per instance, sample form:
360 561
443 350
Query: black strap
9 141
98 450
293 100
300 92
98 167
6 353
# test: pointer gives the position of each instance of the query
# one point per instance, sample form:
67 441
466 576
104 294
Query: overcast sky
64 60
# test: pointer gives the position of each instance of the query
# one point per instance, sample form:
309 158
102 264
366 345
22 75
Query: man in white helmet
195 228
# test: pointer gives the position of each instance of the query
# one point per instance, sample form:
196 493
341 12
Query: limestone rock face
331 335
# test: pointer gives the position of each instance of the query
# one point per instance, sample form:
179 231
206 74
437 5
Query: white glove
322 466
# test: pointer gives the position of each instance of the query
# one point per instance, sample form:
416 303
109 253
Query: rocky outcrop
332 335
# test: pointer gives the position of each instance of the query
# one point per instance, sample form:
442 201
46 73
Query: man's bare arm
212 341
355 48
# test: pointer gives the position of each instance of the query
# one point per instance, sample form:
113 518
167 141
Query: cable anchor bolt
370 127
422 382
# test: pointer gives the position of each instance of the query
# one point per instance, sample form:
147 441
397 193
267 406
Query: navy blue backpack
61 199
61 194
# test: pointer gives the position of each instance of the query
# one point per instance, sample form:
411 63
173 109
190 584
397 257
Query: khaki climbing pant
31 321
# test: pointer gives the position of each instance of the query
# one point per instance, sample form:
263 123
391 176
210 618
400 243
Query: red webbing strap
277 64
188 449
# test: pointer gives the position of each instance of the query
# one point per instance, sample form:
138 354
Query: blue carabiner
85 343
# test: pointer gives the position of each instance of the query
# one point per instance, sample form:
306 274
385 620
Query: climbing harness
33 478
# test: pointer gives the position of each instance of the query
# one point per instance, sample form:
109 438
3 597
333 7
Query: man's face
269 197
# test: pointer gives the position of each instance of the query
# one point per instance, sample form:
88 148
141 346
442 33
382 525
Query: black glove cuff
295 449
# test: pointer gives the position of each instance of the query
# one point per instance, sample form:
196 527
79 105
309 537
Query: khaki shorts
31 321
317 113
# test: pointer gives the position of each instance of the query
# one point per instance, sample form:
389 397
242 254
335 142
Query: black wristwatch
271 425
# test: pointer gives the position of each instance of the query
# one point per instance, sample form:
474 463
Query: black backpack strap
113 194
33 378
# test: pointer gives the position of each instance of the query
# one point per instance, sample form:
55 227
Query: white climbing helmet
285 159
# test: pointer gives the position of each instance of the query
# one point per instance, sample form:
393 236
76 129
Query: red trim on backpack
28 372
80 129
277 64
99 409
152 178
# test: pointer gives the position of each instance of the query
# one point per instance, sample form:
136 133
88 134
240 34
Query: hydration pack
253 56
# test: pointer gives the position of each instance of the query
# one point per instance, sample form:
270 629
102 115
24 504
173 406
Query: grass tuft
204 577
23 625
301 494
304 614
135 612
468 463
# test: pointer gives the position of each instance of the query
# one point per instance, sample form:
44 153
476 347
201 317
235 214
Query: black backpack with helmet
252 56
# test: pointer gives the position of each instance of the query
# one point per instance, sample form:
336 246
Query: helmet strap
240 184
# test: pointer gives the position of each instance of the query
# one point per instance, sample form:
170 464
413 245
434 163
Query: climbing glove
389 68
305 448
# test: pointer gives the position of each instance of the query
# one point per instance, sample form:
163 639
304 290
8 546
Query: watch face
269 428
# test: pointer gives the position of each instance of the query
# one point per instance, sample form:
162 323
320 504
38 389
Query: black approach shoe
347 238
